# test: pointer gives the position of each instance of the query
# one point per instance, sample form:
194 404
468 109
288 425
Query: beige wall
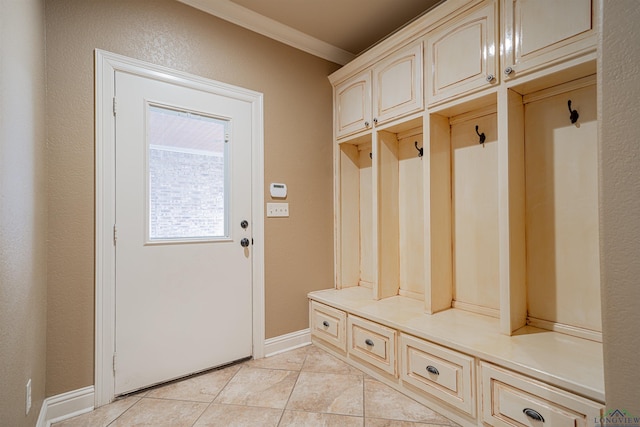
619 95
298 120
23 210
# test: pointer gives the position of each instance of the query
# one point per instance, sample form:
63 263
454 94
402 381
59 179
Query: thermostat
278 190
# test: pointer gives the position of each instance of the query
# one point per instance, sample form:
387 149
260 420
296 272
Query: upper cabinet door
462 54
397 84
540 33
353 105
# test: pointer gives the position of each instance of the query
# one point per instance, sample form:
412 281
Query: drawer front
372 343
440 372
328 324
510 399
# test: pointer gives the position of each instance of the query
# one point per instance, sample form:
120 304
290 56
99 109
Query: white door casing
107 65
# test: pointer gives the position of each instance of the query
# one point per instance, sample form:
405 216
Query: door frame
106 65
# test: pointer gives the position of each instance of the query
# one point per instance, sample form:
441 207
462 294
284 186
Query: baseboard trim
66 405
282 343
77 402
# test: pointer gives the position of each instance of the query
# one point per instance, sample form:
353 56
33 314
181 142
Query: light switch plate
277 209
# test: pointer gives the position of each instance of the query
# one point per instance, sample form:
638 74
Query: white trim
282 343
66 405
106 64
239 15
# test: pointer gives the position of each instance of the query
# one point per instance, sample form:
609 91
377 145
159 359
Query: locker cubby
381 215
355 217
561 226
464 208
400 211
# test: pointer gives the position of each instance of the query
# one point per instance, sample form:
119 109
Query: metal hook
481 135
574 114
420 150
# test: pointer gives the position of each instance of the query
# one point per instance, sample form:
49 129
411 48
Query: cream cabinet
462 55
397 84
390 89
352 105
466 220
512 400
540 33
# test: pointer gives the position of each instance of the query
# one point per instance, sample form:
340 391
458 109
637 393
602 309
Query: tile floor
302 387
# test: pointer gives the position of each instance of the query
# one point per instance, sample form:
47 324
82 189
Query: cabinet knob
368 342
325 324
375 120
433 370
490 78
508 71
366 124
533 414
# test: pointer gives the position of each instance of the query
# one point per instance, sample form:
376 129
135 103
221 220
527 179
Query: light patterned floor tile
161 413
200 388
381 401
239 416
328 393
102 416
314 419
316 388
321 361
268 388
379 422
290 360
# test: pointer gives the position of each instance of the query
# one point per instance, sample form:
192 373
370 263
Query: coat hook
420 150
481 135
574 114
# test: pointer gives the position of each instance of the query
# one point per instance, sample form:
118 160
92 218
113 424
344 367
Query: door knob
244 223
244 242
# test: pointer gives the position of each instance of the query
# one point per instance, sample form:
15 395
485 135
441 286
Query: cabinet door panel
462 55
543 32
398 84
353 105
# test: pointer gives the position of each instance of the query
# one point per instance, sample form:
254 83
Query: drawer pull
368 342
433 370
325 324
533 414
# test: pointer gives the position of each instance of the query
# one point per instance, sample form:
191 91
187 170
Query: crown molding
239 15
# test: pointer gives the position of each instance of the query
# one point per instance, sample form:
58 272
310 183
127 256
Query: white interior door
183 192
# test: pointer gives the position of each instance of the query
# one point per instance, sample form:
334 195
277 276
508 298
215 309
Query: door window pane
188 188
